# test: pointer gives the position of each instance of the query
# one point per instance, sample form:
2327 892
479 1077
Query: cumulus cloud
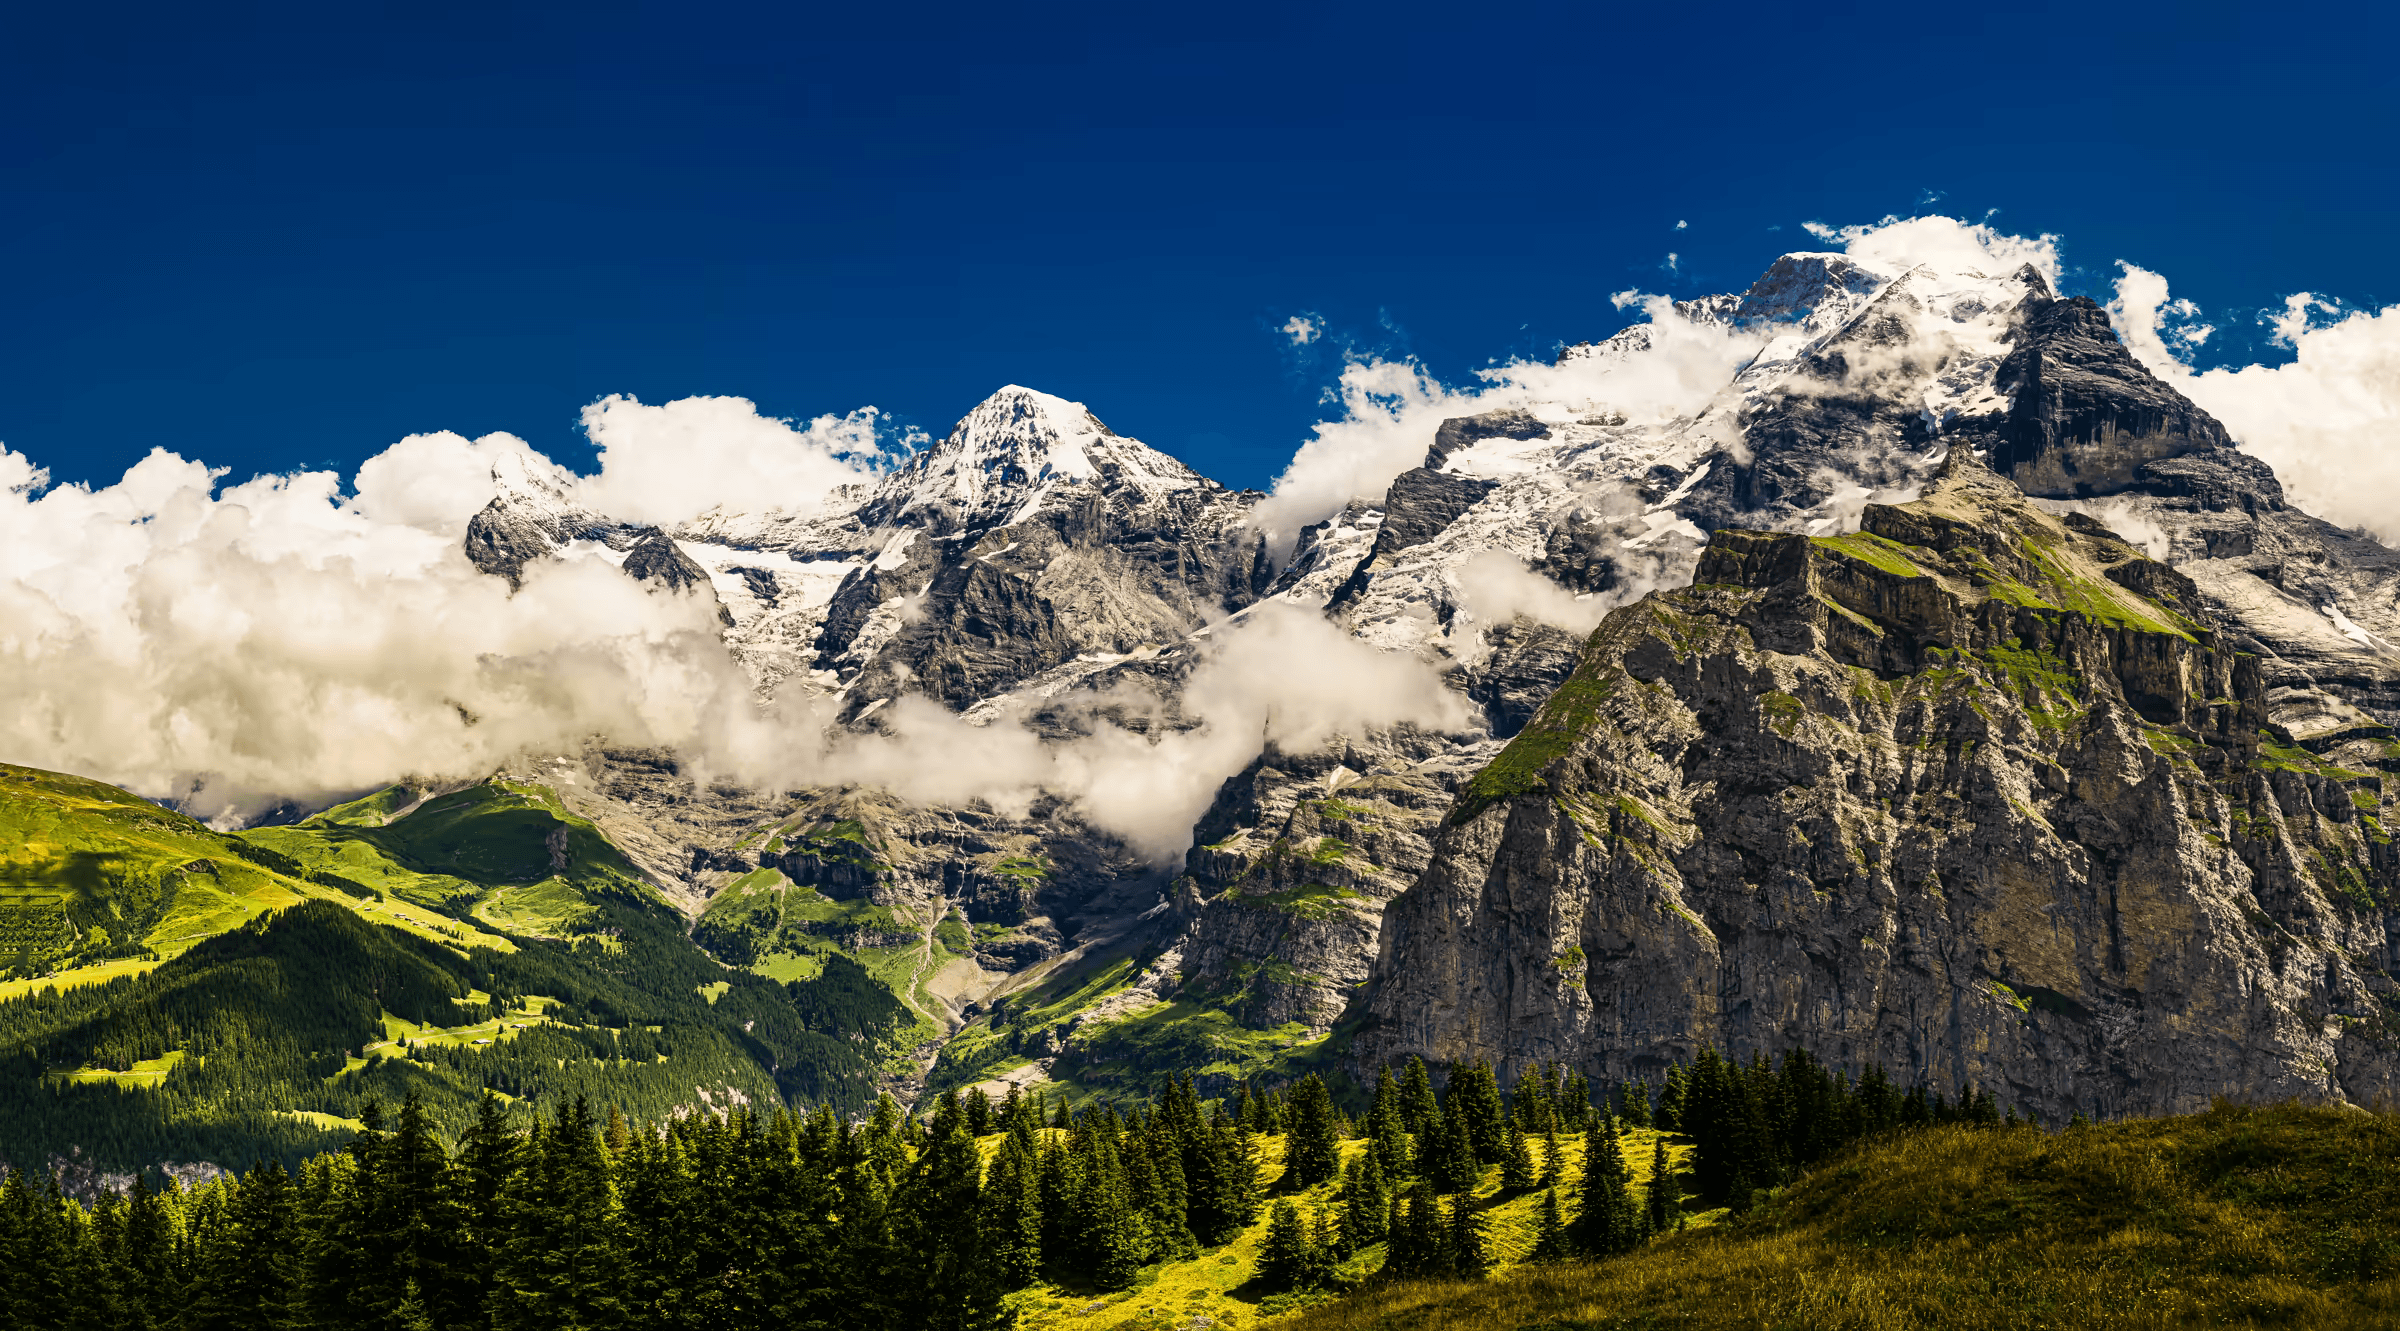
273 639
1302 329
668 463
2328 421
1897 244
1391 408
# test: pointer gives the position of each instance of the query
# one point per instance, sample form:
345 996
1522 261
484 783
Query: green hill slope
2239 1217
176 993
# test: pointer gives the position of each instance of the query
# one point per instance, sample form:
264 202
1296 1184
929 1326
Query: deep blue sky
277 238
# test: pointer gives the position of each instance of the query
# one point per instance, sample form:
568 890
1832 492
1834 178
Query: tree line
765 1217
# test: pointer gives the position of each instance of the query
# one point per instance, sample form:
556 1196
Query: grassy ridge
182 993
2237 1217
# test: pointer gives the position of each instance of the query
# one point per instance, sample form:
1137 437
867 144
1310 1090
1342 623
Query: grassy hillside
2238 1217
175 992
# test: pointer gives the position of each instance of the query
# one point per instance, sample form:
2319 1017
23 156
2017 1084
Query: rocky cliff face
1976 793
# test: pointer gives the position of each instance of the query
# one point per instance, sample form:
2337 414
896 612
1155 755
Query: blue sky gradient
282 237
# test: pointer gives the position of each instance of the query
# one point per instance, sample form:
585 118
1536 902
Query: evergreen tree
1666 1202
1387 1127
1324 1250
1633 1102
1516 1160
1418 1108
1553 1167
1469 1248
1550 1243
1313 1154
1419 1241
1669 1117
1476 1091
1529 1105
979 1112
1284 1257
248 1267
1575 1103
955 1285
1452 1167
1605 1220
487 1160
1366 1199
560 1265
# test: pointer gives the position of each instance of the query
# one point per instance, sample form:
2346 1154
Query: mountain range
1945 691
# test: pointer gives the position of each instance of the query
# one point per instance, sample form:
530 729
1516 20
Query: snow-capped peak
1015 449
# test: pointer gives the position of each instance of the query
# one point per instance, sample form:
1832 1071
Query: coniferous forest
587 1218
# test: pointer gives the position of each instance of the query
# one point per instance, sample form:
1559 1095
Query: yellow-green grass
317 1119
68 979
549 908
143 1075
785 967
2238 1217
67 841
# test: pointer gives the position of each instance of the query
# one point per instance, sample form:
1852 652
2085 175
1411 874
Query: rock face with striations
1976 793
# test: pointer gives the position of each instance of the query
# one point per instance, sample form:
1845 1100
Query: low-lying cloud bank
230 647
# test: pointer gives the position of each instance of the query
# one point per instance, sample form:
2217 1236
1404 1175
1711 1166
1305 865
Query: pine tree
1284 1259
1550 1243
1605 1223
1516 1160
248 1267
560 1265
955 1285
1633 1102
1419 1111
979 1112
1452 1167
487 1160
1313 1154
1553 1167
1324 1251
1387 1127
1529 1105
1469 1248
1575 1103
1666 1202
1669 1117
1366 1202
1477 1093
1419 1241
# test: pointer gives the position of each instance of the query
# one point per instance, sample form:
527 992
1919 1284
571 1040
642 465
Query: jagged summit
1015 450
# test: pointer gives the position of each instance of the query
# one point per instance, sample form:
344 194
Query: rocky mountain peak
1012 452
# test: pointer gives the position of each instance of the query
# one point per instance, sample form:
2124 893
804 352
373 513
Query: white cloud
1303 329
1392 408
1495 587
1682 225
433 482
667 463
2328 421
1896 244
